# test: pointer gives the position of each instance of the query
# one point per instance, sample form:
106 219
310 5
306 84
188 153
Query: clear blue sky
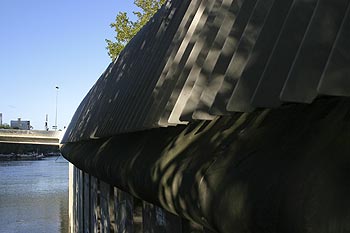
44 43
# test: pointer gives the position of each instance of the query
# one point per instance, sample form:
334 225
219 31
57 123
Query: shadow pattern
283 170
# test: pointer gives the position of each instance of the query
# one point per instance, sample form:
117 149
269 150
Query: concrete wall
42 137
32 133
95 206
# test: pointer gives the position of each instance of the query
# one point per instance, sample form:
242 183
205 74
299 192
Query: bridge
34 137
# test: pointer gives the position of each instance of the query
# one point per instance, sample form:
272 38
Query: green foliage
126 29
5 126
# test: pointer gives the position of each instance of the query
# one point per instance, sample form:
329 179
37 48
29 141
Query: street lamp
57 88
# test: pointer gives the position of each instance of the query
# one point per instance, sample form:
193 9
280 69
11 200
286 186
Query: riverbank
28 156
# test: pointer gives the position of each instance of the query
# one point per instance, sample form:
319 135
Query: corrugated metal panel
119 97
241 56
202 58
193 46
201 98
283 54
164 84
314 52
210 41
336 78
248 81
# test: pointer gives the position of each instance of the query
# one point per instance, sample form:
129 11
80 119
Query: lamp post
57 88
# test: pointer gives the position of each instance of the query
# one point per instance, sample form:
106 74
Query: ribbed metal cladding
202 58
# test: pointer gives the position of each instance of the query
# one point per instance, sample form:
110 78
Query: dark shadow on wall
284 170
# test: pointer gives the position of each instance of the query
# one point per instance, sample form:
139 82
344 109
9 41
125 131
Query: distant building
0 118
19 124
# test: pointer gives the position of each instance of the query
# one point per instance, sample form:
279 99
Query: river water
34 196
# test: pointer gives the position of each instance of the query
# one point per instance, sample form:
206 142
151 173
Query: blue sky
44 43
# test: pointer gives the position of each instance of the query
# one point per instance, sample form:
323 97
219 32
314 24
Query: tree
5 126
126 29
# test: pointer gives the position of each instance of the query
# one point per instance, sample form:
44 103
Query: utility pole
57 88
47 122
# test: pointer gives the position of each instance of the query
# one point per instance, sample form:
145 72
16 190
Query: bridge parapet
31 136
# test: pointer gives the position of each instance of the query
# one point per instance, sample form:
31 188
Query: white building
19 124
